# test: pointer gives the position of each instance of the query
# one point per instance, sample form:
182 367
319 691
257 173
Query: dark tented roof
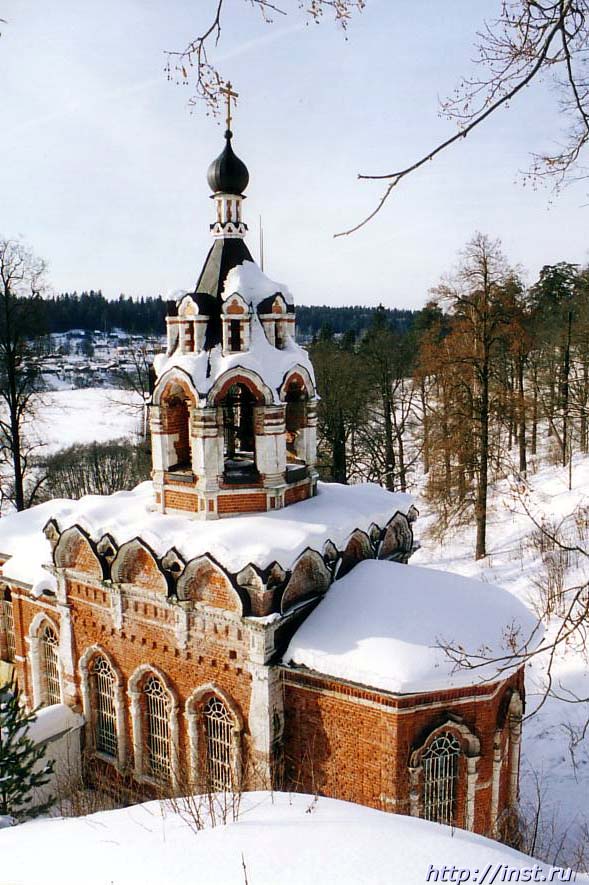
224 255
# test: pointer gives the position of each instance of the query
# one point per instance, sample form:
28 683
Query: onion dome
228 174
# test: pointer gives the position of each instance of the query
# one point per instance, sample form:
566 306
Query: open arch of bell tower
233 408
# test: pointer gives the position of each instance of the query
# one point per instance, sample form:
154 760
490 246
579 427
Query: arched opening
175 406
103 709
296 399
239 451
156 713
440 775
218 728
50 681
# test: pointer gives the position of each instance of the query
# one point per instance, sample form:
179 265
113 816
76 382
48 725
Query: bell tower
233 410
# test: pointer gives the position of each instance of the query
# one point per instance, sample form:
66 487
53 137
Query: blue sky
103 167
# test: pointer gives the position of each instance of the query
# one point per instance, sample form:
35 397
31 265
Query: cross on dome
228 91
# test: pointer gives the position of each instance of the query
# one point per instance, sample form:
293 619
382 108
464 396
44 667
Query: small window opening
234 335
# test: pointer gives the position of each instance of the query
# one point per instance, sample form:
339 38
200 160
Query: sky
103 164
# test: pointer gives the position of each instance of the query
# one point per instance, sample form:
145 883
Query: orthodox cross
228 91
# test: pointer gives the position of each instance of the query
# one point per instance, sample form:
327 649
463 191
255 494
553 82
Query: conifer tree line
490 373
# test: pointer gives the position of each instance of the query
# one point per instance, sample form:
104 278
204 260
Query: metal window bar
50 664
218 730
157 729
440 769
7 619
105 719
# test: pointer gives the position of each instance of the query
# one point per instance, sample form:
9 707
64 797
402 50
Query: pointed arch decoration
175 380
240 375
300 376
310 576
135 563
358 548
204 580
75 550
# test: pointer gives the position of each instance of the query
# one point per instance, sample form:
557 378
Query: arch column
207 448
270 442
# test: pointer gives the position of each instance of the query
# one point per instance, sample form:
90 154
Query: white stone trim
37 624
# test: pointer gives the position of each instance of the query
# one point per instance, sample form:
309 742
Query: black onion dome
228 174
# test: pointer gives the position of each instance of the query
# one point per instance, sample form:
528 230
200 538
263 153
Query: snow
280 535
52 721
383 625
551 764
252 284
68 417
270 363
280 838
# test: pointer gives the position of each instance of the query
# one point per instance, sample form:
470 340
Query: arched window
440 773
50 683
104 718
157 729
218 726
7 626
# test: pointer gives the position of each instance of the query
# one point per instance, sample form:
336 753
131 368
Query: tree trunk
523 459
340 467
425 427
483 478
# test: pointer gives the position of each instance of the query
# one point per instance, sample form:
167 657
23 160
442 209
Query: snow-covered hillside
277 838
517 562
91 414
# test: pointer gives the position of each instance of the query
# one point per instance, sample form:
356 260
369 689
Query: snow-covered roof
253 285
291 839
52 721
279 535
383 624
269 362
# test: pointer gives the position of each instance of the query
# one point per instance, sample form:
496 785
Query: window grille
50 666
7 621
440 772
157 729
219 744
103 696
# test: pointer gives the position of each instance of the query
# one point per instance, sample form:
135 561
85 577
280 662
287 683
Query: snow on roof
252 284
291 839
278 535
382 625
270 363
52 721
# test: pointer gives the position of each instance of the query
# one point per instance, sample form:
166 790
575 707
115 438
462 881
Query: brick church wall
355 744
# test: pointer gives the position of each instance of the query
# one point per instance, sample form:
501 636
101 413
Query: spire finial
228 91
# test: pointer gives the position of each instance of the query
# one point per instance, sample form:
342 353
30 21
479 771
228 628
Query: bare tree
529 41
21 284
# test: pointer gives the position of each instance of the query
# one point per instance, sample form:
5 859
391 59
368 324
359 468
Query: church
236 624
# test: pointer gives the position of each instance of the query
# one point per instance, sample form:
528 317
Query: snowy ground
277 838
85 415
516 563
